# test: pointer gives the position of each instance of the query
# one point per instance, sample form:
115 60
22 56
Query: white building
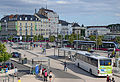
53 19
77 29
99 31
64 28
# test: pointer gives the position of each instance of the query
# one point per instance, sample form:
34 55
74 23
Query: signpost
37 69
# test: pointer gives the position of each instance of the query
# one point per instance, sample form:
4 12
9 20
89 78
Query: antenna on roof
35 11
46 4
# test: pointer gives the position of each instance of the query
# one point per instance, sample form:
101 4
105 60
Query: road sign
37 69
6 70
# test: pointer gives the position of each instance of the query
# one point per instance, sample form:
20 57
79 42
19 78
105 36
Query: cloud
117 14
62 2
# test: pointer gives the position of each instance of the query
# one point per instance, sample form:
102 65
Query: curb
116 75
19 63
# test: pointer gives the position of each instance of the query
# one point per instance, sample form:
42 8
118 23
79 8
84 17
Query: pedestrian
40 70
45 76
113 80
19 80
50 76
107 78
15 74
65 66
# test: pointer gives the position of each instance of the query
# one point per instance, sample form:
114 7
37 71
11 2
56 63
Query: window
25 18
20 24
20 18
105 62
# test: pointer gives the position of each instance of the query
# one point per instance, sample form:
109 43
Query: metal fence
7 78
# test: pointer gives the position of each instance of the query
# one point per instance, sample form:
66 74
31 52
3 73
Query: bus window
105 62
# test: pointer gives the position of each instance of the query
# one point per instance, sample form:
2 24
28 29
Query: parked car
16 54
8 65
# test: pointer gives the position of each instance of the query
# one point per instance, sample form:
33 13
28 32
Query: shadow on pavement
73 67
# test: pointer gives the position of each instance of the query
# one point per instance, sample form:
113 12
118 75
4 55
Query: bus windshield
105 62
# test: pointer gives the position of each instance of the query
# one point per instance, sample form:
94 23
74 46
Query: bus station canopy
67 49
40 59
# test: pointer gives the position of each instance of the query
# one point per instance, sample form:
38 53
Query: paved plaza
73 74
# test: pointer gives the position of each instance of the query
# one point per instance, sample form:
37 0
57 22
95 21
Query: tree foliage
52 38
71 38
67 37
40 37
10 38
99 40
92 37
4 56
35 38
117 39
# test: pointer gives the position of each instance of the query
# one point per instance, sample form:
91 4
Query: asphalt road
22 70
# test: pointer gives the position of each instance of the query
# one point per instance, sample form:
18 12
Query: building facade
23 25
76 29
97 31
64 28
53 19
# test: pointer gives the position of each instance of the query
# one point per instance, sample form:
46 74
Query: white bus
95 64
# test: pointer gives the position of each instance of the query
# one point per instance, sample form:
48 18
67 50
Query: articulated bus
94 64
105 45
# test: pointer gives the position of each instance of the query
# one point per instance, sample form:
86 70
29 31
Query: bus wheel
78 65
90 71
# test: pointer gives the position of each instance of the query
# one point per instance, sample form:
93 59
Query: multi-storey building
114 28
20 25
42 26
53 19
64 28
97 31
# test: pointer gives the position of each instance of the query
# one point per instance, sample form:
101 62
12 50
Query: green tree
35 38
99 41
23 38
10 38
52 38
71 38
66 37
40 37
4 56
117 39
92 37
27 37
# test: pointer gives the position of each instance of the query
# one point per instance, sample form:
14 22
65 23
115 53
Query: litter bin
24 61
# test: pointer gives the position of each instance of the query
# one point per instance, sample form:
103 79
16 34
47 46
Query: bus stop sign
37 69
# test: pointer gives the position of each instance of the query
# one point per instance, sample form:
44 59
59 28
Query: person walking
19 80
50 76
45 76
107 78
113 80
65 66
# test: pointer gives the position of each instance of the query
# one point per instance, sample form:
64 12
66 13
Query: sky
87 12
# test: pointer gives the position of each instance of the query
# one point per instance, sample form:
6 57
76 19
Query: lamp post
96 39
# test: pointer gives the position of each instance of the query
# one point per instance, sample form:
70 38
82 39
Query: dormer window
36 18
4 20
25 18
31 19
20 18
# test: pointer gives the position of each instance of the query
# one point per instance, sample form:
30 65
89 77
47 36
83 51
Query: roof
41 16
19 18
102 29
64 23
95 56
96 26
75 25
